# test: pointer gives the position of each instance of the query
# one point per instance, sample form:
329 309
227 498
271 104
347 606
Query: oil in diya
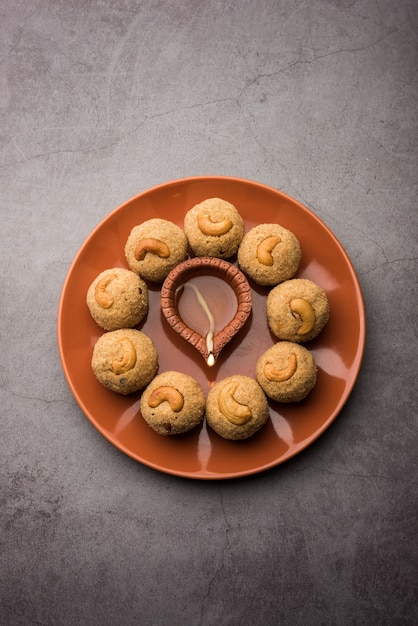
207 301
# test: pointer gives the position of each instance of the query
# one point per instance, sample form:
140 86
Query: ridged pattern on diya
216 267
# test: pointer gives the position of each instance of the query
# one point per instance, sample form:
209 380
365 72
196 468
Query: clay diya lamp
207 301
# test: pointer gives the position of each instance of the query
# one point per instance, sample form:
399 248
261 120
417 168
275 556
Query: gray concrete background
101 100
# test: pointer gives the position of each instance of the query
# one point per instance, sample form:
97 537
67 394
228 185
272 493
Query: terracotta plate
201 454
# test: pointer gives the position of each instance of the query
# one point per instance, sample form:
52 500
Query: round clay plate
202 454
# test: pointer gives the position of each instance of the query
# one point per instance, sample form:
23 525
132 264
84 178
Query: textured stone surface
101 100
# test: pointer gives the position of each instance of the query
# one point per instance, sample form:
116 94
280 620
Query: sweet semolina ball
173 403
117 298
269 254
124 360
286 372
214 228
236 407
154 248
297 310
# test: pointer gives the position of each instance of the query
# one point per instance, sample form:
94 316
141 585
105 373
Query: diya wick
209 337
232 308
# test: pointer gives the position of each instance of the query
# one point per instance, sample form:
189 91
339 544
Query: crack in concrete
15 394
388 262
385 150
326 470
222 564
257 140
308 14
118 138
22 31
360 48
196 105
71 151
316 56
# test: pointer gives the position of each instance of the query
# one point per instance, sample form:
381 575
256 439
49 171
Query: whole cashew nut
307 314
234 411
128 360
276 375
103 298
155 246
265 248
213 228
169 394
